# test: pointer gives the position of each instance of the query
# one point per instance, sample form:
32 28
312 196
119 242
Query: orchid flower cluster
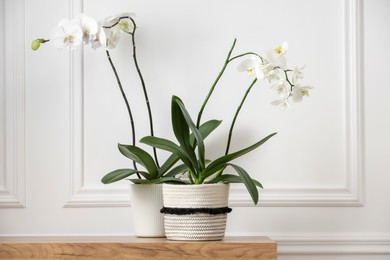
86 30
274 69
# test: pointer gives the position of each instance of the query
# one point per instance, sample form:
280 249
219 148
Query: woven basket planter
195 212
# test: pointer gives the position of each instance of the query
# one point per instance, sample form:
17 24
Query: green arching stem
143 88
227 61
236 115
244 54
234 122
214 84
127 105
141 78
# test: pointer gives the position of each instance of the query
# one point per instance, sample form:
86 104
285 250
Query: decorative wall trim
14 192
347 194
328 243
352 193
333 244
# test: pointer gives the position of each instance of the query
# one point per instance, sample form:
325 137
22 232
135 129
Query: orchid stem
214 84
236 115
144 89
127 105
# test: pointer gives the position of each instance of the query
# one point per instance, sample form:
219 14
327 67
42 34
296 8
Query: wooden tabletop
254 247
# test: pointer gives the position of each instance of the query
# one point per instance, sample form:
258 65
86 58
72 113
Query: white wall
325 173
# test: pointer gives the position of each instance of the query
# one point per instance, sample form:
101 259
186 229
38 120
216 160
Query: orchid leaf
219 163
176 170
248 182
230 178
181 129
120 174
172 159
171 180
140 156
201 148
170 146
205 129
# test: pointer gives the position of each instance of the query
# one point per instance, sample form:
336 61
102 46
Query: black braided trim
189 211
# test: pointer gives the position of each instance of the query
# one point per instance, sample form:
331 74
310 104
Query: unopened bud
35 45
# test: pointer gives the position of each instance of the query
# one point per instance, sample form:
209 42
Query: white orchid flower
99 39
113 26
111 32
88 25
111 36
277 55
281 88
281 50
67 35
283 102
269 71
122 21
251 66
297 74
299 92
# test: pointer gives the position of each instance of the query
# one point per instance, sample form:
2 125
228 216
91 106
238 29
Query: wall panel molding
328 243
333 244
14 191
350 193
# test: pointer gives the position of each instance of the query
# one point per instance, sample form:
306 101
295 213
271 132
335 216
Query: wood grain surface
135 248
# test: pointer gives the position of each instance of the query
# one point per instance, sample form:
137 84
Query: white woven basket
197 226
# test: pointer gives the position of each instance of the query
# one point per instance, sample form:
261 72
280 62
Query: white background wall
326 173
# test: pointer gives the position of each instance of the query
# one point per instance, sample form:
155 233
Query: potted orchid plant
187 165
146 199
209 178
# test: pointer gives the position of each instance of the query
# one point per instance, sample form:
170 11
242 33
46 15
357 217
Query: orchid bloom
258 67
281 88
299 92
283 102
297 74
269 71
277 55
251 66
68 34
99 39
88 25
113 26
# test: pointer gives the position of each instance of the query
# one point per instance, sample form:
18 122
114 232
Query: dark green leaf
172 159
205 129
181 129
170 146
160 180
120 174
248 182
177 170
140 156
219 163
194 129
230 178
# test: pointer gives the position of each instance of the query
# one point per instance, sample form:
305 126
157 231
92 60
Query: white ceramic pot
195 212
146 203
